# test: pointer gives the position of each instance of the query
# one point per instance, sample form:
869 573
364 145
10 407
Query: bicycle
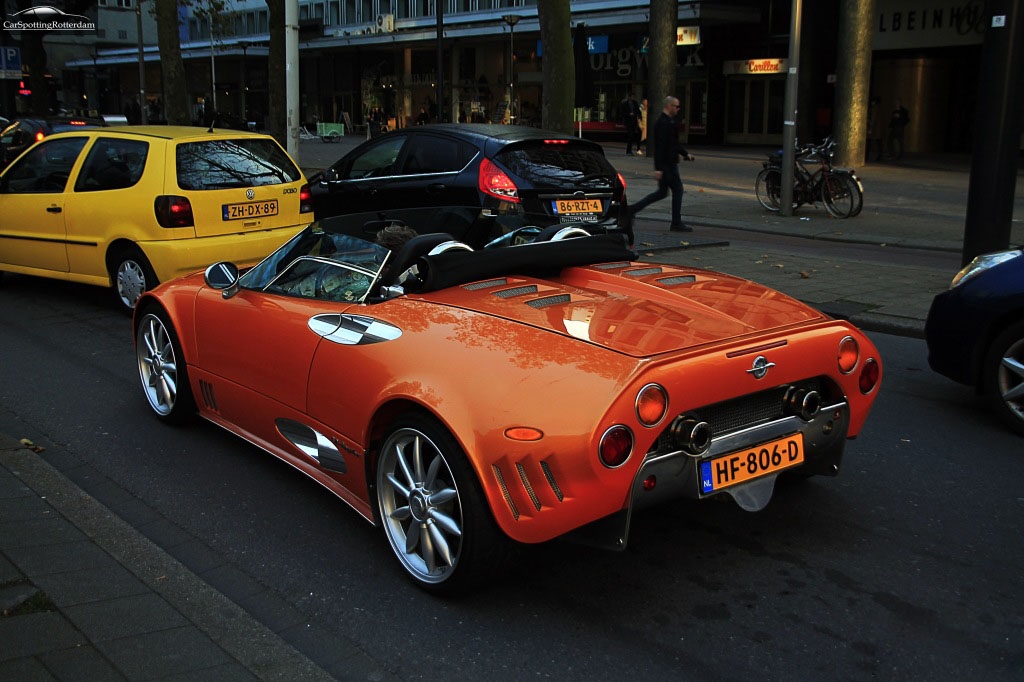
839 189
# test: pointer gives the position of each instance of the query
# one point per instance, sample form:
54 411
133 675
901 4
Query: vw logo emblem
760 367
249 194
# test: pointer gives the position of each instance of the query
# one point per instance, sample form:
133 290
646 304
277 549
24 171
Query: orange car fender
177 298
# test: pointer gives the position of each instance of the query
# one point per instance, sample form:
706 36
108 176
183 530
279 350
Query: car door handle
436 187
53 209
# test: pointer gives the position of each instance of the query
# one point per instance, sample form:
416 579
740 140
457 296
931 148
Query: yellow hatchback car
130 207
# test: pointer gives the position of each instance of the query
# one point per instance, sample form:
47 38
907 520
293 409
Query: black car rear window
245 162
558 165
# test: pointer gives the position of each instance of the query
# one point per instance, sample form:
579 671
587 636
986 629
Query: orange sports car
466 400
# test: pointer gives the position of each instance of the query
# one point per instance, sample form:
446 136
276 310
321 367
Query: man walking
666 154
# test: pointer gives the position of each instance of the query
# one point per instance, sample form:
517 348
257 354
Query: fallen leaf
758 262
26 442
804 274
700 189
904 440
696 258
648 255
684 243
646 243
882 244
778 265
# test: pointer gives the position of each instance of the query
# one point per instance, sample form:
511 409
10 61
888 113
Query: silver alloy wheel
419 505
1010 378
157 365
131 282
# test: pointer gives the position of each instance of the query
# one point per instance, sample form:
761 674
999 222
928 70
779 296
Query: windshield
315 242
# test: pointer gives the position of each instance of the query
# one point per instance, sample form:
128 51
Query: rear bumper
173 258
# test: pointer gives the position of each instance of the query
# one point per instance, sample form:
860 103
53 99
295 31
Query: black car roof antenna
213 122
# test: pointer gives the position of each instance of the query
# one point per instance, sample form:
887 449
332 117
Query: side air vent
504 491
641 272
526 484
209 399
485 285
518 291
312 443
679 279
611 266
551 480
549 301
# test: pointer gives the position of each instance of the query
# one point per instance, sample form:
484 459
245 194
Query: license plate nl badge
745 465
250 209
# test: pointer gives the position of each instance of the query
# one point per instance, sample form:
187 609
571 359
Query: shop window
318 10
263 22
350 12
367 14
334 16
303 12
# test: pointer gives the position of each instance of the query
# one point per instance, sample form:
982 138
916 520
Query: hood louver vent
679 279
549 300
641 272
485 285
518 291
611 266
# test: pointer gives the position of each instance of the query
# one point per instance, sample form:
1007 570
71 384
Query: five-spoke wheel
1005 376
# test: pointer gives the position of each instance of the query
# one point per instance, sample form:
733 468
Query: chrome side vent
549 300
312 443
551 480
504 491
485 285
209 399
641 272
678 279
529 488
611 266
518 291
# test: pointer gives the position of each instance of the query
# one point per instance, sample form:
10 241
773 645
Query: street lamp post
511 20
142 65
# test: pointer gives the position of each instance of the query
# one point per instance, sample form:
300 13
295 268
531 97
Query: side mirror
329 175
221 275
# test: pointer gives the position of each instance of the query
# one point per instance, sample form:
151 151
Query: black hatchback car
25 132
524 176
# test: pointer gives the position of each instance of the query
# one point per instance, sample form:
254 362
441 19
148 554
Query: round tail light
616 446
849 354
869 376
651 404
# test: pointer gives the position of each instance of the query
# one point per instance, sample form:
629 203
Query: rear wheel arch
981 350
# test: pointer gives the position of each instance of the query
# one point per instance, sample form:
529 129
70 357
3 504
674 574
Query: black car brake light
173 211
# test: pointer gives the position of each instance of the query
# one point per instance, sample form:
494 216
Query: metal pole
997 129
291 75
245 116
439 95
789 118
511 72
142 64
213 67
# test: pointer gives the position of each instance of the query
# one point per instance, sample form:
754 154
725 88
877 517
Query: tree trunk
559 70
276 75
661 78
172 68
853 81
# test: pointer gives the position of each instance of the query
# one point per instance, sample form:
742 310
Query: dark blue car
975 332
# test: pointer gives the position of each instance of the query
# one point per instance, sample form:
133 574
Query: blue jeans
669 181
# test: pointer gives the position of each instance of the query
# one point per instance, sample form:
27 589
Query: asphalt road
905 566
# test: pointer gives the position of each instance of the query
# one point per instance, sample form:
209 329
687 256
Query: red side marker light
524 433
616 446
869 376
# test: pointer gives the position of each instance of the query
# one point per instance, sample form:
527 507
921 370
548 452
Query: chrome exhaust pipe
802 403
690 435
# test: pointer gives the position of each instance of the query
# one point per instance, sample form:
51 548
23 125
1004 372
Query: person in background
897 129
874 130
642 121
423 118
630 115
666 155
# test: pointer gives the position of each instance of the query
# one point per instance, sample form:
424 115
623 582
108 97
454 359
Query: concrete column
407 88
853 81
291 51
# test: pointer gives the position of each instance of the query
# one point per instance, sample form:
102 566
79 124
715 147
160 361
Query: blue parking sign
10 62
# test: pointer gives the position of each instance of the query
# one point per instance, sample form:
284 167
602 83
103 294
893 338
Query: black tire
858 195
768 188
162 368
837 196
131 275
1003 376
477 550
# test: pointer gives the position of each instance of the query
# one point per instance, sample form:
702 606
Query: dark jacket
666 143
